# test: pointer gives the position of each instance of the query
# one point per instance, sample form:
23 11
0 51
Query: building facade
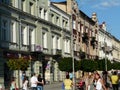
105 44
84 28
29 29
116 49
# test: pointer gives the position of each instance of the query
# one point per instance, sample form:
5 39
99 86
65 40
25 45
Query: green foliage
116 65
88 65
102 65
65 64
18 64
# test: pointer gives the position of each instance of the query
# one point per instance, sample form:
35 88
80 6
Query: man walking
115 81
34 82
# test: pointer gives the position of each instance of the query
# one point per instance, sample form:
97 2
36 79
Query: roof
86 16
62 2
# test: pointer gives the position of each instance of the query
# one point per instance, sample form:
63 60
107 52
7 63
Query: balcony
56 51
85 37
82 55
76 53
36 48
93 42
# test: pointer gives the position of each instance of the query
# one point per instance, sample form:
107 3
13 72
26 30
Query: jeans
115 86
39 87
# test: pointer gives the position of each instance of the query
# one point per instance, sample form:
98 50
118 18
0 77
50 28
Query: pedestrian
34 82
68 83
41 83
106 80
25 83
99 83
63 86
13 84
71 75
1 88
115 81
80 84
86 80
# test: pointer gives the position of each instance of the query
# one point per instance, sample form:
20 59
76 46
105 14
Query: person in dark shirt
41 83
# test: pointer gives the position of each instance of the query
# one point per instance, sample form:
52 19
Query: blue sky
107 10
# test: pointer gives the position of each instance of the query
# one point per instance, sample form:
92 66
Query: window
45 14
93 34
4 31
54 42
31 8
5 1
58 43
82 28
44 39
86 29
13 3
66 24
78 27
4 36
40 12
57 20
13 32
74 24
22 5
52 17
23 35
67 46
32 36
63 23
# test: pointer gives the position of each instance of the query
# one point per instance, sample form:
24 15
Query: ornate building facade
36 30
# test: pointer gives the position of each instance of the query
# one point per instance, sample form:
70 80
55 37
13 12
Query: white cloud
106 4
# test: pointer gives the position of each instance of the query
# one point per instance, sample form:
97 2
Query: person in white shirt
99 83
1 87
34 82
25 83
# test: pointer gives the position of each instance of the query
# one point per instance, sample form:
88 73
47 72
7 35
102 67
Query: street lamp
72 52
105 46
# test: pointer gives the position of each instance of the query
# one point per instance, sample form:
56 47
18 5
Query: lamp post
72 52
105 46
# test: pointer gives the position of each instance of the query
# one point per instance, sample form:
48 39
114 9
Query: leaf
18 64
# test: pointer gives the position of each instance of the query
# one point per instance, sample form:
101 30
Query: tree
65 64
102 65
116 65
18 64
88 65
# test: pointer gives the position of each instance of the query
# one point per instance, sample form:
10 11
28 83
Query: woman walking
68 83
40 84
99 83
25 83
13 84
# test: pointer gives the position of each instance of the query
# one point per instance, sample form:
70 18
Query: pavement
57 86
53 86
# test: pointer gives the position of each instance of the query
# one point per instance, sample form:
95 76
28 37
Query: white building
105 42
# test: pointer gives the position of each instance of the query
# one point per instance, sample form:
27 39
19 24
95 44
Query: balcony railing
93 42
85 37
35 47
82 55
76 53
56 51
